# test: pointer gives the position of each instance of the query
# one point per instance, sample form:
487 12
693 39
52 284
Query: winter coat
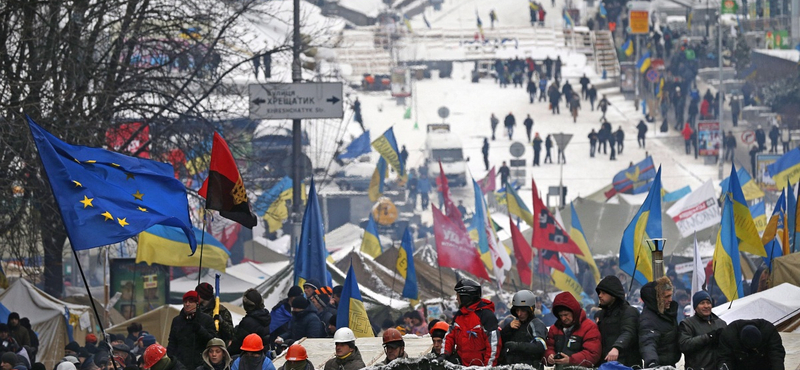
619 135
591 93
641 129
774 134
603 104
687 132
306 324
282 313
494 121
768 356
760 137
473 335
309 366
699 349
175 364
188 337
658 332
543 84
528 123
537 144
584 81
583 345
548 143
704 107
592 137
619 324
352 362
225 331
424 185
256 321
225 365
20 334
524 345
266 365
509 121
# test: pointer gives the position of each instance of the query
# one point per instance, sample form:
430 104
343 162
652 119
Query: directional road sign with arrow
296 100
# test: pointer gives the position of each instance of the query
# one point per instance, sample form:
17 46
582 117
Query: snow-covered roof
791 55
370 8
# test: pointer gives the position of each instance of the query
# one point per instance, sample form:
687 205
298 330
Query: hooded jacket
266 364
352 362
699 349
188 337
526 344
473 335
658 332
309 366
226 361
306 324
256 321
770 355
618 324
583 344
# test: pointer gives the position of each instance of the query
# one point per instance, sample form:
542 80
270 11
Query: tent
779 305
47 315
786 269
158 321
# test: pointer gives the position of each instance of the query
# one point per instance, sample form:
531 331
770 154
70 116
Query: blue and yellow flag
106 197
568 20
727 269
791 215
378 180
517 207
371 243
386 144
579 237
745 227
786 169
636 177
310 258
165 245
776 227
634 255
628 47
566 280
405 267
351 312
603 11
644 62
271 205
759 212
774 251
749 187
407 21
477 228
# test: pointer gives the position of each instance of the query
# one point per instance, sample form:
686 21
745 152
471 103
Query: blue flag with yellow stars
107 197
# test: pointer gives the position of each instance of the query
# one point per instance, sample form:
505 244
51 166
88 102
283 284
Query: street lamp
656 246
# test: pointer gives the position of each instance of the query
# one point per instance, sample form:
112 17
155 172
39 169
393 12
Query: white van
441 144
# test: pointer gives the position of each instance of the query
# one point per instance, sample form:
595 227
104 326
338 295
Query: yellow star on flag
91 161
77 184
115 165
129 176
142 209
138 195
122 222
87 202
107 215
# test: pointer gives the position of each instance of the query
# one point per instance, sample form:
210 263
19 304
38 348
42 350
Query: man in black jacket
524 338
699 334
658 324
256 321
750 344
205 292
304 324
618 323
190 332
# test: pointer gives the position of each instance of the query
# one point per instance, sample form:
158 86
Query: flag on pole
310 258
628 47
759 212
699 275
774 251
493 253
776 229
405 267
106 197
487 183
357 147
577 235
745 227
791 214
378 180
386 145
565 280
454 247
450 208
547 233
568 20
749 187
634 255
351 312
371 243
224 189
644 62
523 254
786 169
516 206
727 269
166 246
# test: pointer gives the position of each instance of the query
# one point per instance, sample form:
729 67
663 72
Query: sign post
296 100
562 140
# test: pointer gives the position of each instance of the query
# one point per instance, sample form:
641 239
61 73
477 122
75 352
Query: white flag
699 276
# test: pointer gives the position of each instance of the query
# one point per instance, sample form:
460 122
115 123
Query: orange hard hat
441 325
252 343
296 352
153 354
392 335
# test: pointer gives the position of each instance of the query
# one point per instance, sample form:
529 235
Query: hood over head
613 286
566 300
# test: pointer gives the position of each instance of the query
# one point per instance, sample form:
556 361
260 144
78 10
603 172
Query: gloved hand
217 318
511 346
714 335
439 360
652 364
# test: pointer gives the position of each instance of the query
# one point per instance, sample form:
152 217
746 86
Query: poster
639 22
762 175
709 139
697 211
627 79
401 82
142 288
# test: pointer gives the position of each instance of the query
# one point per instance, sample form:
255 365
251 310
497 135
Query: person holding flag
206 305
473 337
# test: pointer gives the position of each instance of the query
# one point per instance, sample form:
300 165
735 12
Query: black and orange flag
224 189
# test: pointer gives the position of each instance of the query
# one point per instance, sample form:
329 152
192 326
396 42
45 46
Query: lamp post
656 246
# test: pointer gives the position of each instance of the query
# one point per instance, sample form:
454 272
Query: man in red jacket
473 335
573 339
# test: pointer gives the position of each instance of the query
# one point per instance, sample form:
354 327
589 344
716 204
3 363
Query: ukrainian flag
746 229
759 213
477 228
644 62
371 243
634 255
407 21
749 187
351 312
727 269
309 262
628 47
566 280
773 251
377 182
517 207
786 169
776 226
166 245
603 11
791 215
386 144
568 20
579 237
405 267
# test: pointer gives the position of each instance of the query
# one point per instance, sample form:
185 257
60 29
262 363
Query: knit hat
162 364
300 302
91 338
750 337
337 290
4 327
205 291
13 316
699 297
39 366
190 296
148 340
72 359
9 358
73 346
312 283
295 291
252 300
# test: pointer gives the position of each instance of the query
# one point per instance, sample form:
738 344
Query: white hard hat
344 335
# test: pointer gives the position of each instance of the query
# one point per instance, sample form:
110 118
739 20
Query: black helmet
469 288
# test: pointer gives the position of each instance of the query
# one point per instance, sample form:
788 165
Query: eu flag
357 147
107 197
309 262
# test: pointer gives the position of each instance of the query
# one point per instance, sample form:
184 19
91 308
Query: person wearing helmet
617 322
297 359
216 356
156 358
393 345
438 331
253 356
305 323
524 337
256 320
573 339
189 333
348 357
473 336
206 304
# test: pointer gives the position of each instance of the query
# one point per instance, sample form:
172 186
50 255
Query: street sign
562 140
296 100
443 112
749 137
652 75
384 211
517 149
639 17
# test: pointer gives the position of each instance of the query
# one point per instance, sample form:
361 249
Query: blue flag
635 178
106 197
351 312
265 200
357 147
405 266
310 258
386 144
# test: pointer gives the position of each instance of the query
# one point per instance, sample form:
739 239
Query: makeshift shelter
779 305
233 283
159 321
48 317
786 269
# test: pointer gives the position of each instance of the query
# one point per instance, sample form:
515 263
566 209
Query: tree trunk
53 239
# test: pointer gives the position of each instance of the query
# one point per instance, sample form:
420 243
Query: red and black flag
224 189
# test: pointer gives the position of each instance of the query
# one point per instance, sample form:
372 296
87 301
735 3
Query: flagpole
794 237
202 243
441 286
633 275
91 300
394 277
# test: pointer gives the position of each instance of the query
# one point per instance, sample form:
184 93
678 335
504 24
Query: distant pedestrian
531 88
620 136
548 66
555 98
558 68
641 131
528 123
485 151
753 154
504 173
774 137
574 106
494 121
761 139
403 154
510 122
604 136
612 141
786 138
584 81
592 95
730 146
537 148
592 143
542 89
548 145
736 108
493 17
687 137
424 188
566 92
693 112
603 104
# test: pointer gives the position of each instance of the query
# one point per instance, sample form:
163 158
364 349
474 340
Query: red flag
523 252
547 233
450 208
487 183
548 260
455 248
224 189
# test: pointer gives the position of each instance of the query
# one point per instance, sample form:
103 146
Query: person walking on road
761 139
612 141
604 135
591 94
774 137
736 108
537 148
494 121
687 137
510 122
504 173
730 146
620 136
543 89
531 88
641 131
592 143
584 81
603 104
574 106
485 151
548 145
528 123
424 189
786 138
555 98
